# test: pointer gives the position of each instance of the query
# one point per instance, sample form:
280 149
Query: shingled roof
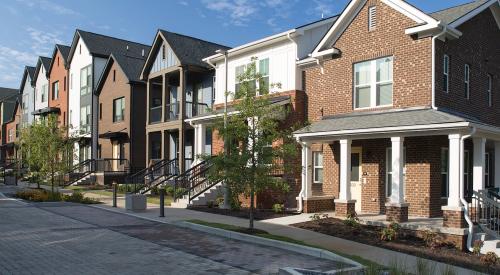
103 46
42 61
64 53
452 14
7 92
28 71
190 50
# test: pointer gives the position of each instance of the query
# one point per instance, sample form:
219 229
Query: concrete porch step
490 243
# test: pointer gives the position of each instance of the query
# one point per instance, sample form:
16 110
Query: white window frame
388 153
44 92
446 72
316 166
447 172
373 84
88 86
490 87
467 80
257 71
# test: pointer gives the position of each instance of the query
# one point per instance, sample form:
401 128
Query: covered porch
411 165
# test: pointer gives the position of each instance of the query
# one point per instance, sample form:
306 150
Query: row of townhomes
402 108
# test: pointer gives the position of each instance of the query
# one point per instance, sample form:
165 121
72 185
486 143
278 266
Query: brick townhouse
405 109
58 84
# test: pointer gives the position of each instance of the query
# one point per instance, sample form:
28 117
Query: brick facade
344 209
59 74
318 205
454 218
396 213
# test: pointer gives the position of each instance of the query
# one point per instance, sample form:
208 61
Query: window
163 56
118 109
467 81
372 18
388 174
85 118
446 73
55 90
373 83
45 87
70 118
444 172
318 167
11 135
489 90
100 111
64 84
487 169
80 49
85 80
114 75
58 61
262 85
214 83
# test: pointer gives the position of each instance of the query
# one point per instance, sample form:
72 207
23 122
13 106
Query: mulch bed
405 243
243 213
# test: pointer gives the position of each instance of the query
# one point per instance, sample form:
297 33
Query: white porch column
454 171
199 141
496 160
307 170
397 194
479 163
345 170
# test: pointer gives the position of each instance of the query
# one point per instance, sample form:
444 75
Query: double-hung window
45 88
490 103
55 90
446 73
318 167
86 80
467 81
373 83
262 85
85 118
388 175
118 109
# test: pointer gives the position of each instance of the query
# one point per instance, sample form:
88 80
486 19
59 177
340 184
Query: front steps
490 244
87 180
203 199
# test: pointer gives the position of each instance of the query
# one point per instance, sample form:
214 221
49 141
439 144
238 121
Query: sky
30 28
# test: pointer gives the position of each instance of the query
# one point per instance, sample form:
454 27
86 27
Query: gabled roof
189 50
28 71
64 53
102 45
131 67
451 14
12 115
6 93
42 61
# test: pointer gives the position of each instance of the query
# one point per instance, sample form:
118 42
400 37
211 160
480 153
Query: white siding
28 96
169 61
41 80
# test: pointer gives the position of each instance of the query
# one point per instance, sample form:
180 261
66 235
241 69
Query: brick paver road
65 238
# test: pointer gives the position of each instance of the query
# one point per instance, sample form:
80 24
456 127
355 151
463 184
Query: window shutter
372 18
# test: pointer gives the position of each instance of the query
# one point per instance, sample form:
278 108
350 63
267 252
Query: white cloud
49 6
184 3
239 12
325 7
12 61
43 41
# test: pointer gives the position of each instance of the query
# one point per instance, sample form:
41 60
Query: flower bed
243 213
393 238
41 195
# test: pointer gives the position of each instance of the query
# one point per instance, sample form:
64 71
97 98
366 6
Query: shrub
315 217
476 247
35 195
431 239
219 201
352 220
235 204
75 197
278 208
169 190
388 234
489 259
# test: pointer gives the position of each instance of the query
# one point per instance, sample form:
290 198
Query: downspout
433 58
461 186
302 185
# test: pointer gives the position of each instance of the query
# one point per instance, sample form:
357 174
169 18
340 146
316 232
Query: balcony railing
195 109
172 111
155 114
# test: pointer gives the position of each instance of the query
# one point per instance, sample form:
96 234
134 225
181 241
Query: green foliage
315 217
476 247
388 233
256 141
351 220
431 239
41 195
489 259
46 149
278 208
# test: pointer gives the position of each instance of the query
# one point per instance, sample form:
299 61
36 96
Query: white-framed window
490 84
45 88
85 118
119 109
388 169
86 80
262 68
467 81
373 83
372 18
55 90
71 118
11 135
446 73
318 167
444 172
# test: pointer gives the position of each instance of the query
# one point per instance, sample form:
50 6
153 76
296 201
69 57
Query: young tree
256 144
45 147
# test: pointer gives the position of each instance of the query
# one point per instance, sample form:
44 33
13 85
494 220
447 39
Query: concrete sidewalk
279 227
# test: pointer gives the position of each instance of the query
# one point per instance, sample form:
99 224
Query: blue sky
29 28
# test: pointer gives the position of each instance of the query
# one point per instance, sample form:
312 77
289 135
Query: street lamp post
226 188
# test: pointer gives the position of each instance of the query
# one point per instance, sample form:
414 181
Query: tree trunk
252 196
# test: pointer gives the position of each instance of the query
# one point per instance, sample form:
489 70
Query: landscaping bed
429 247
42 195
243 212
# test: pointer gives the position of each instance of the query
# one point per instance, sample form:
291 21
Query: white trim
446 72
315 166
473 13
447 172
425 127
467 80
410 11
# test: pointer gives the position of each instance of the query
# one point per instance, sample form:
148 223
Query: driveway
66 238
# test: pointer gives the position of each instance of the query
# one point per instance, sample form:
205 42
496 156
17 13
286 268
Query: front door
356 181
116 155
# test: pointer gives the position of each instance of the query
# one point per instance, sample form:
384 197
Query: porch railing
195 109
112 165
155 114
484 210
172 111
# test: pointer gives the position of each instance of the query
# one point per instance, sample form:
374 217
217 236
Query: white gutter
461 186
302 187
289 36
433 58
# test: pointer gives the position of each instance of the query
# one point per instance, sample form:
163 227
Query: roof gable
28 74
42 61
457 15
64 50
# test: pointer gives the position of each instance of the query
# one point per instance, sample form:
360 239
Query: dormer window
372 18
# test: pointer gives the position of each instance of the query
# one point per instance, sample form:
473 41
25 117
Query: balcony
195 109
172 111
155 114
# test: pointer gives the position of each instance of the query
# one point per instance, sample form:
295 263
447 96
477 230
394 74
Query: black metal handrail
195 109
194 182
79 171
148 178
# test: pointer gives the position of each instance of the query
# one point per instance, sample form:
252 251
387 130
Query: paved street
65 238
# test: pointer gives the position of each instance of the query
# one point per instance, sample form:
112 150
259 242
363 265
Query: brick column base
318 205
396 212
453 217
344 208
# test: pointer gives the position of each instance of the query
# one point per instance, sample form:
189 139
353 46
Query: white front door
356 180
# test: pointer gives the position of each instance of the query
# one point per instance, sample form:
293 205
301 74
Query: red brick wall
479 48
59 74
332 91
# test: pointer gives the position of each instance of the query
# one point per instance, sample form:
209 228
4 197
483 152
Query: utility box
135 202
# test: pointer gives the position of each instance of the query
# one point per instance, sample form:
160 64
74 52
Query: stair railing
194 182
148 178
79 171
485 212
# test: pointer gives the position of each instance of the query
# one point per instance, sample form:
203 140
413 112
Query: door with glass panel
356 172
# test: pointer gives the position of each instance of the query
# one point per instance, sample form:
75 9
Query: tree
256 141
45 146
